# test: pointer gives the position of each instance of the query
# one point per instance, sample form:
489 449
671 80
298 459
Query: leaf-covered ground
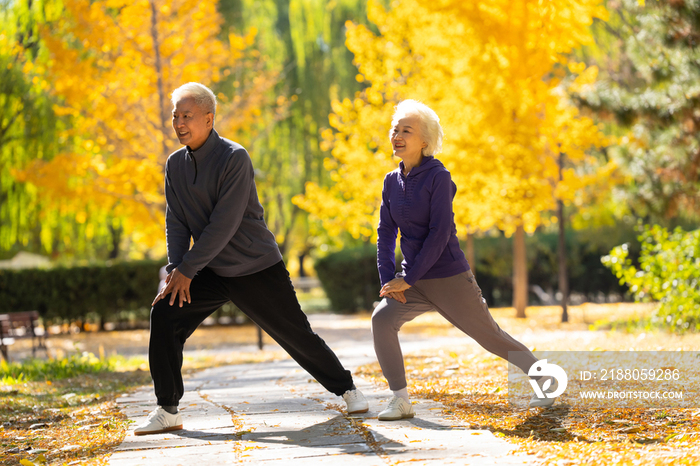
71 421
472 385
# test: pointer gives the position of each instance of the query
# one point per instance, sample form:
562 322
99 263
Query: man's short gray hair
430 128
202 95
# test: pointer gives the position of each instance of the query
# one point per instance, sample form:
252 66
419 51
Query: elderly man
211 197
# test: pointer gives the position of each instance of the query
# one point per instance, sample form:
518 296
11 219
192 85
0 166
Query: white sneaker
158 422
356 402
536 402
398 409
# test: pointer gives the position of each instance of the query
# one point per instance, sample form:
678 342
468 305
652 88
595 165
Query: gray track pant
458 299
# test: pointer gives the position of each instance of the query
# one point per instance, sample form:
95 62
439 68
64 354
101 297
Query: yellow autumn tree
113 64
496 73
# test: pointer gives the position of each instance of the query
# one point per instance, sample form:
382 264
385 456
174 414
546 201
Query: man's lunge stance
211 198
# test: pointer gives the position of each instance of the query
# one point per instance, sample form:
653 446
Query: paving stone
358 459
295 452
184 438
264 404
214 454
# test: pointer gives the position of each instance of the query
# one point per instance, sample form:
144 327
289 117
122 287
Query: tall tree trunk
471 254
159 74
116 241
303 254
519 273
302 257
284 245
563 277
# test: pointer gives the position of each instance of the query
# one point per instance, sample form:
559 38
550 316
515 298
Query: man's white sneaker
356 402
158 422
536 402
398 409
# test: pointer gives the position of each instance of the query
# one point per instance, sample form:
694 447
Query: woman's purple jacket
420 206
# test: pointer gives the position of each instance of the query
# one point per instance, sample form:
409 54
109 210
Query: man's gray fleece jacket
211 197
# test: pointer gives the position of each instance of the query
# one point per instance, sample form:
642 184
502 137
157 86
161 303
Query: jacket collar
207 148
427 163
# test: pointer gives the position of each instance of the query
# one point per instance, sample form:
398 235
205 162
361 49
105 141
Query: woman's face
406 139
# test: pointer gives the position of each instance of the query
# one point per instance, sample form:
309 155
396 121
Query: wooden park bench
18 325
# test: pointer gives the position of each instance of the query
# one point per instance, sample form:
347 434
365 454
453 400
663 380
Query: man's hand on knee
178 286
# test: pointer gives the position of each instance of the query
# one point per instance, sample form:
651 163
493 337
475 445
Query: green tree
648 93
28 126
668 273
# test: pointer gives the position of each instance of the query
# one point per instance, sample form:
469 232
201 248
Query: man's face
192 123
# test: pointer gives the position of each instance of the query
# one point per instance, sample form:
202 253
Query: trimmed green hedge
350 278
70 294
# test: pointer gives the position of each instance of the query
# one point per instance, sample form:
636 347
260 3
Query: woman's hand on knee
394 289
394 286
397 295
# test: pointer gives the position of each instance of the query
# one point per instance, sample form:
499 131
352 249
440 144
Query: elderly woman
417 200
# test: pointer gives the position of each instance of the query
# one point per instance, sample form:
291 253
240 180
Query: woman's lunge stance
417 201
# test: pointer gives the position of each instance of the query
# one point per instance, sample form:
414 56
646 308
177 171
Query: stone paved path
275 414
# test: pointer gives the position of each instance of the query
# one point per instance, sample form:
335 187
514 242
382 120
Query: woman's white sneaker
356 402
158 422
398 409
536 402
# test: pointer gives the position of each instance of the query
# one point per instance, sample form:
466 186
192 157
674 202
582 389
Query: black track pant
268 299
